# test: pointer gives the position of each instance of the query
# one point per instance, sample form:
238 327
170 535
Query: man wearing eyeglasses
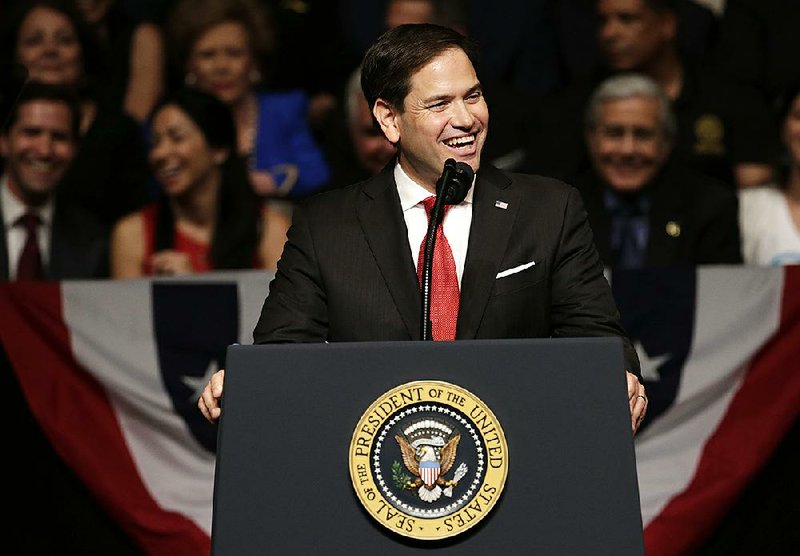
645 210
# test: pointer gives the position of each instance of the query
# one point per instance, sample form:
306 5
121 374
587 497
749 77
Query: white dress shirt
16 236
457 221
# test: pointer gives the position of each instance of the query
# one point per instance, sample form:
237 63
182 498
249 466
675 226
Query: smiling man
518 249
42 238
644 210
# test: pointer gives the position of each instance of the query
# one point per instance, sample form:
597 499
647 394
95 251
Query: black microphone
451 189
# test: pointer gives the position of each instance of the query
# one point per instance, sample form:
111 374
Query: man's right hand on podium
209 399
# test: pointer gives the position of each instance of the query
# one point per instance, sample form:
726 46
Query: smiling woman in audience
207 218
770 216
220 46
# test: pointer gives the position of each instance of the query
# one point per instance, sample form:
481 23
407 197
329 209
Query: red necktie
444 281
30 260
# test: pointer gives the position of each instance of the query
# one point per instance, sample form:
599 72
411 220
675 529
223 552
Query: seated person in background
208 217
109 172
644 209
134 75
724 129
367 151
770 216
219 45
43 236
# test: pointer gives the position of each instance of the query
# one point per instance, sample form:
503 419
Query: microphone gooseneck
451 189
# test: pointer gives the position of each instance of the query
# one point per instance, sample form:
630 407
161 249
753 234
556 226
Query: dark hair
91 53
390 63
236 233
662 5
786 100
34 91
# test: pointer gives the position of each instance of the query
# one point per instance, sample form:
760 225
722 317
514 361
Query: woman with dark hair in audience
134 52
108 174
770 216
219 46
207 217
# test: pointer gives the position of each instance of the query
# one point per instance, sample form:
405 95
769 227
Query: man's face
372 149
445 116
628 146
630 34
38 149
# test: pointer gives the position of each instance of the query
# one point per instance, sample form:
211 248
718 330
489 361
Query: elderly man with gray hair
646 210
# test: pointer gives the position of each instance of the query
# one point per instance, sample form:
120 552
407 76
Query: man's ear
386 115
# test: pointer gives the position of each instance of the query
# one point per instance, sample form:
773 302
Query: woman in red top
207 218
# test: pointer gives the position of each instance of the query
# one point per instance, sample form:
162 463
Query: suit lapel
489 235
385 230
665 217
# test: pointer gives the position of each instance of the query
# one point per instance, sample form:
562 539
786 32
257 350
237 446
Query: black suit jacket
78 247
705 212
347 272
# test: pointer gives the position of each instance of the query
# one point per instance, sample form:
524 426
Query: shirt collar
13 208
411 193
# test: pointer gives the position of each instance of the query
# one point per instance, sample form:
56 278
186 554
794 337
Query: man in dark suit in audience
518 248
644 209
42 237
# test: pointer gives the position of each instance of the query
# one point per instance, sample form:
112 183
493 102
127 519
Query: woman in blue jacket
219 45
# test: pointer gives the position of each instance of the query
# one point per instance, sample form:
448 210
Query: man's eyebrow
475 88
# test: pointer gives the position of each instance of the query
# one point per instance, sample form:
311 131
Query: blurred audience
576 22
219 46
770 216
134 77
52 41
43 236
208 217
759 44
644 210
366 150
724 128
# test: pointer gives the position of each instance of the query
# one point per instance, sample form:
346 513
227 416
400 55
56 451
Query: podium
283 485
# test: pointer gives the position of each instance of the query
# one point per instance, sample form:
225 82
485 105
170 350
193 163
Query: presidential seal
428 460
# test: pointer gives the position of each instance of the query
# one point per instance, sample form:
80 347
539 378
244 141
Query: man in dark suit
44 238
519 246
644 209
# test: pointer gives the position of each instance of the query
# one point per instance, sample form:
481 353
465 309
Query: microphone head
456 188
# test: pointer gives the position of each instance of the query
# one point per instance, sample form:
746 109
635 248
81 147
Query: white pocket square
514 270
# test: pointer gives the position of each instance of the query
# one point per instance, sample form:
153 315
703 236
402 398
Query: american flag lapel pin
501 205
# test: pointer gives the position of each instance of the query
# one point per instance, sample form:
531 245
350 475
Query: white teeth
169 172
460 141
42 165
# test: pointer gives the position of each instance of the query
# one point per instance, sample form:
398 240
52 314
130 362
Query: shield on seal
429 472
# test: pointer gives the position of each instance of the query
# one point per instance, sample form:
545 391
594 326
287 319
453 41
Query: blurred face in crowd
93 10
628 145
222 61
444 116
48 47
372 149
181 159
400 12
791 132
38 149
631 35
